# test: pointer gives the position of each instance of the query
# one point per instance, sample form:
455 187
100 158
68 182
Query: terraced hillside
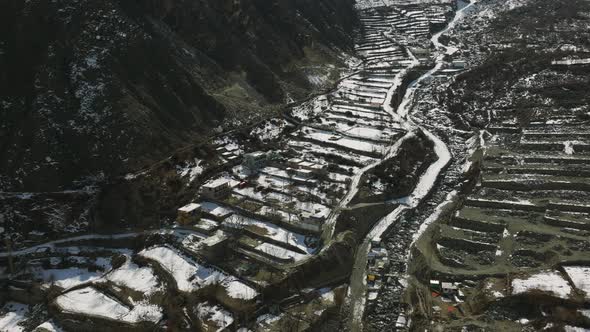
440 182
257 238
513 250
95 89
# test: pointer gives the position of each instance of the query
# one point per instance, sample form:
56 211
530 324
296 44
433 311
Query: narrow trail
358 285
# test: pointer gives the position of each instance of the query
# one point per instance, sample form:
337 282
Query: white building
216 189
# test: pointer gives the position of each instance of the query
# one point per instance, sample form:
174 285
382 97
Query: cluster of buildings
378 265
206 215
448 289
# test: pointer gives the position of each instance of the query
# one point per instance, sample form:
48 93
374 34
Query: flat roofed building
188 214
216 189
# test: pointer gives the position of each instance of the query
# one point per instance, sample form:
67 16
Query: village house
312 220
312 166
216 189
214 247
206 226
435 285
188 214
449 288
301 173
214 211
294 162
315 217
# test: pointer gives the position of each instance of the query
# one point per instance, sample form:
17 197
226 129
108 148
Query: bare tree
237 223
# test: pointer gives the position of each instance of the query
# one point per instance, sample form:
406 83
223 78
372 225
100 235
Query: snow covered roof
448 285
218 237
214 209
215 183
189 207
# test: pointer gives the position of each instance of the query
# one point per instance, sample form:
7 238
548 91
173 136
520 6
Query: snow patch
580 277
550 282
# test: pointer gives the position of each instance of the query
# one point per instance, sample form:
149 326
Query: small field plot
90 302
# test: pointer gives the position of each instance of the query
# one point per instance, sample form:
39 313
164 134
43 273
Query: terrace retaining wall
535 185
503 205
564 206
466 245
566 223
477 225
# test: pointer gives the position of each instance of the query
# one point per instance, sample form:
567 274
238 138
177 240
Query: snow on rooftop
580 277
189 207
214 209
280 173
207 224
214 239
89 301
549 281
214 183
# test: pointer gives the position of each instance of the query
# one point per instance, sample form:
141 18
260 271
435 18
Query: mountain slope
94 89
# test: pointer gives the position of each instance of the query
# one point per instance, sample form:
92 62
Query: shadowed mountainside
94 89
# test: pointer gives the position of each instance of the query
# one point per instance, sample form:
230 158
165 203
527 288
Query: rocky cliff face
93 89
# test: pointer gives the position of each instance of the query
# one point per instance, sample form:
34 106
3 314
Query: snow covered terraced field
534 186
527 222
341 133
190 276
